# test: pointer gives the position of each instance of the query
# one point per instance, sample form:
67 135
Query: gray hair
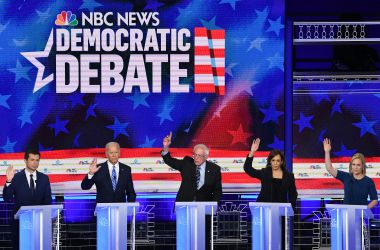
205 148
112 143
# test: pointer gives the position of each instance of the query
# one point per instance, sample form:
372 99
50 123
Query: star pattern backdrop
252 107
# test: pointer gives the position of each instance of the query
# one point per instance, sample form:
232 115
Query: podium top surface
196 203
117 204
367 212
284 208
361 207
269 204
24 209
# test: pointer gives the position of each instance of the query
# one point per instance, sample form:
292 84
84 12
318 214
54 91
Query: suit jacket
212 187
19 191
103 183
288 190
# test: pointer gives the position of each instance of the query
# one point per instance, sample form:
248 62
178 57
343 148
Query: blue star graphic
277 144
42 148
365 126
59 126
231 2
153 5
118 128
336 107
304 122
20 71
165 115
276 61
3 101
19 42
377 95
76 140
275 26
91 111
271 114
90 5
43 16
76 99
229 68
148 143
26 117
262 15
8 147
138 99
257 43
344 151
210 25
3 27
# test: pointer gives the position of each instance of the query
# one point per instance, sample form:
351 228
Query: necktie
198 175
113 178
31 184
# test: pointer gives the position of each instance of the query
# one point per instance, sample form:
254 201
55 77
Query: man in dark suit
113 180
26 188
201 179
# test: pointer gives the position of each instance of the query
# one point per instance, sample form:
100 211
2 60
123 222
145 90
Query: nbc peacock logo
66 18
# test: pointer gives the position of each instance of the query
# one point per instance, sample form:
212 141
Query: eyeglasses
198 155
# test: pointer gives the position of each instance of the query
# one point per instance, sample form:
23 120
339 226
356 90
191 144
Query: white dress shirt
34 177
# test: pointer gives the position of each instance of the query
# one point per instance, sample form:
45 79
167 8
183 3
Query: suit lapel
207 171
26 183
38 184
107 174
120 176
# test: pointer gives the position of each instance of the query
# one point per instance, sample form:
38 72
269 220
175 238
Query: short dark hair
272 154
33 151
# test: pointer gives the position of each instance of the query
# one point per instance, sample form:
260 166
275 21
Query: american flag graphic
209 61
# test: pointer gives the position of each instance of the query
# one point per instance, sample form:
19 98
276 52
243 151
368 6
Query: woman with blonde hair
357 186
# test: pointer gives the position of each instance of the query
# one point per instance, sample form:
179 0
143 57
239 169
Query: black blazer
103 183
212 187
289 190
19 191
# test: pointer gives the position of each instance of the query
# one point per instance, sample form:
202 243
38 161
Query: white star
31 57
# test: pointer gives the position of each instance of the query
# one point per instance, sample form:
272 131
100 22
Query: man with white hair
113 179
201 179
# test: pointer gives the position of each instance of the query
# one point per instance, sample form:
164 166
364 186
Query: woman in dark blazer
277 184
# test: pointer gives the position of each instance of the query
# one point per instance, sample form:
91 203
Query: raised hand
167 140
255 145
10 173
327 145
93 167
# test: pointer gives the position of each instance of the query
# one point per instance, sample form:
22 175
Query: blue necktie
198 175
113 178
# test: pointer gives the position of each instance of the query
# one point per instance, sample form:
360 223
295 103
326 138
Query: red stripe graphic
207 69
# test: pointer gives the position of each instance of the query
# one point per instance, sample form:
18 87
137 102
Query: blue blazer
103 183
19 191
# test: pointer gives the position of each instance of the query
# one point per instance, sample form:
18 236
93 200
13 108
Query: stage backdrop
76 75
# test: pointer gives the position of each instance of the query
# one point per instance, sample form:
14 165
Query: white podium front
266 224
347 223
190 218
112 222
35 225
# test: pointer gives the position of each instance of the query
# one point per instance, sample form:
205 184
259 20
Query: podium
266 224
190 218
112 222
347 223
35 225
